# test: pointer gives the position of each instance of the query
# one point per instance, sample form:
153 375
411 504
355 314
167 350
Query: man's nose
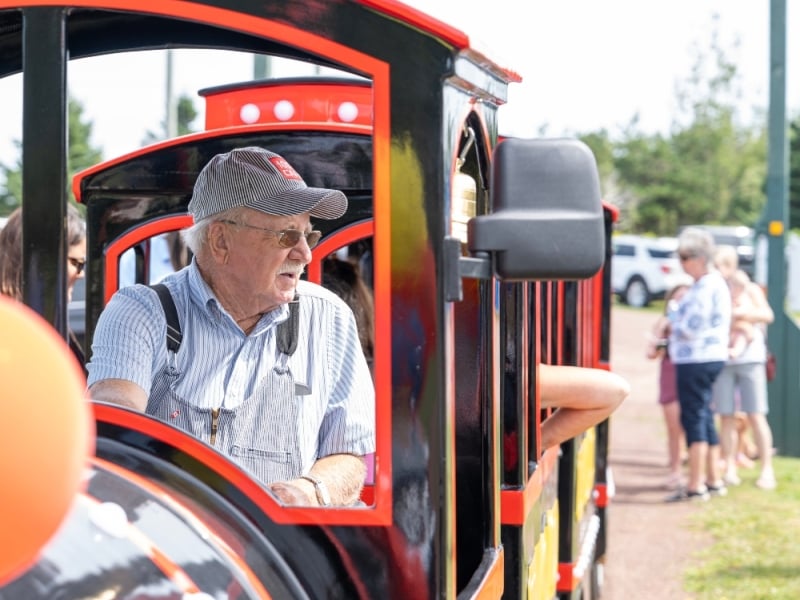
301 250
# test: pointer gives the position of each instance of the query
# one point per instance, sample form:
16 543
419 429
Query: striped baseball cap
261 180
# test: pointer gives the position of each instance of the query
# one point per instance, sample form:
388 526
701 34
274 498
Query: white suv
644 268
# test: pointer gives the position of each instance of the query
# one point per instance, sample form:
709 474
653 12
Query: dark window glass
624 250
656 253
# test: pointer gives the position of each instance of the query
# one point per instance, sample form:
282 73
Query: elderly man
269 369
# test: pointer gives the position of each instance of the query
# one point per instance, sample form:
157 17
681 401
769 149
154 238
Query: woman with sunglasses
269 368
699 325
11 260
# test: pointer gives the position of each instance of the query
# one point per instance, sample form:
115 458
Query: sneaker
766 482
683 495
717 490
731 479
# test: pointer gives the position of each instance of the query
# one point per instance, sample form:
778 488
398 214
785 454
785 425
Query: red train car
470 296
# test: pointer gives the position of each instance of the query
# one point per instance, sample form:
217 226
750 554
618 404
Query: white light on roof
348 112
283 110
249 113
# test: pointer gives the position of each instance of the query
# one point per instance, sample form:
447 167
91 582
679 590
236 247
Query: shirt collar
203 296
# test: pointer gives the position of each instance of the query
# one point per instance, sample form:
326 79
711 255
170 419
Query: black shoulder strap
174 335
288 330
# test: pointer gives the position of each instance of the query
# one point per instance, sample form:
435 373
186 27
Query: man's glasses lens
78 263
289 238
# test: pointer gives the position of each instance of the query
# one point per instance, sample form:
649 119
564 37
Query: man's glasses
78 263
288 238
685 257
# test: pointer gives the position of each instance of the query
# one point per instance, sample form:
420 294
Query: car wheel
636 293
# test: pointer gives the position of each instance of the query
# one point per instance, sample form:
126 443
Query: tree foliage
81 155
186 113
710 169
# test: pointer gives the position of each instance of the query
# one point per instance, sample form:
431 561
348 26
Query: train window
514 410
534 308
347 272
569 347
321 121
152 259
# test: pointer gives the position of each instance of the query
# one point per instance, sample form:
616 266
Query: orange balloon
48 433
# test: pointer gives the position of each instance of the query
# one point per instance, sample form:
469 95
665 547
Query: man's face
261 268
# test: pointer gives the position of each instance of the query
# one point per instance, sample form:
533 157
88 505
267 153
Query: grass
755 552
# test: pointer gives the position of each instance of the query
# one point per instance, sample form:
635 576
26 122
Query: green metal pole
776 218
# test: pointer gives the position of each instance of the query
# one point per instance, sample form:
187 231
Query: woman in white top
746 372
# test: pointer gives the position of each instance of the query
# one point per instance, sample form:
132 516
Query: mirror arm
456 266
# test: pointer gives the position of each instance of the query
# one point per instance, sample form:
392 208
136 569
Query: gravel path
650 542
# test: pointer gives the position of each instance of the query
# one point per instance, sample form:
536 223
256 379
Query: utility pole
171 108
262 66
784 335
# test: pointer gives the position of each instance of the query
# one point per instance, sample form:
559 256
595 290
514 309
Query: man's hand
294 493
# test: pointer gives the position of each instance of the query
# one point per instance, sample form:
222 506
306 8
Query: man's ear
219 242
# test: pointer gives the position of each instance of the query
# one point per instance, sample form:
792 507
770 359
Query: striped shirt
220 366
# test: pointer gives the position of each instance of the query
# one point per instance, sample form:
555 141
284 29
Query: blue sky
586 64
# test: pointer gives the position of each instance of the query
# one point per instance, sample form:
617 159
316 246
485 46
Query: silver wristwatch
323 497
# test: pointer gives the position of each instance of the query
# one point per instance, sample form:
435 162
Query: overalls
266 447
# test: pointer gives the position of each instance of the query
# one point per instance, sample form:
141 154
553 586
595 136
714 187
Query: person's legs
713 482
698 456
763 436
724 401
753 388
728 437
745 447
694 413
672 420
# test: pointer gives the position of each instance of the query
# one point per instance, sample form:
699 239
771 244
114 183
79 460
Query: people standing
698 346
745 374
657 348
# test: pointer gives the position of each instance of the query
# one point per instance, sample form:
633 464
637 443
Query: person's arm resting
582 397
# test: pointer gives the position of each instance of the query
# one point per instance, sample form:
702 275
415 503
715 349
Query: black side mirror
547 217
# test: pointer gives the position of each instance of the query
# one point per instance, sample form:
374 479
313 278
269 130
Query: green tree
186 113
81 155
710 169
603 148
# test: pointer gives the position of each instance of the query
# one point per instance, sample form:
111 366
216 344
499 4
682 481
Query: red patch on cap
284 168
